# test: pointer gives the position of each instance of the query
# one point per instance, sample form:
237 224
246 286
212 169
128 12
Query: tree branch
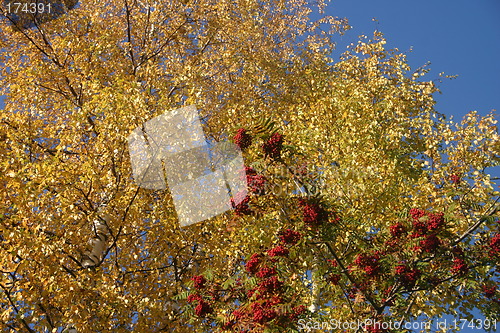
350 278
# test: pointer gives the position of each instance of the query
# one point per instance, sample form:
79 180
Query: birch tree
364 202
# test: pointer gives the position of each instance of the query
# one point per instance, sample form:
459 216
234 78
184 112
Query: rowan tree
364 202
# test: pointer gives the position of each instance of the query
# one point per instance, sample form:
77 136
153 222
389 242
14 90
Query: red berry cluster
242 139
199 281
238 314
269 285
273 146
290 237
489 292
455 179
332 262
436 221
407 276
278 251
243 208
268 299
252 264
459 266
313 213
426 225
194 297
369 263
262 312
424 222
203 308
296 311
334 278
397 230
494 250
256 182
265 272
417 213
429 244
267 302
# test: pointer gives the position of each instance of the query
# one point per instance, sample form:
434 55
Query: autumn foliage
364 202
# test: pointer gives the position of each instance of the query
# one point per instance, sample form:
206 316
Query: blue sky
457 37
